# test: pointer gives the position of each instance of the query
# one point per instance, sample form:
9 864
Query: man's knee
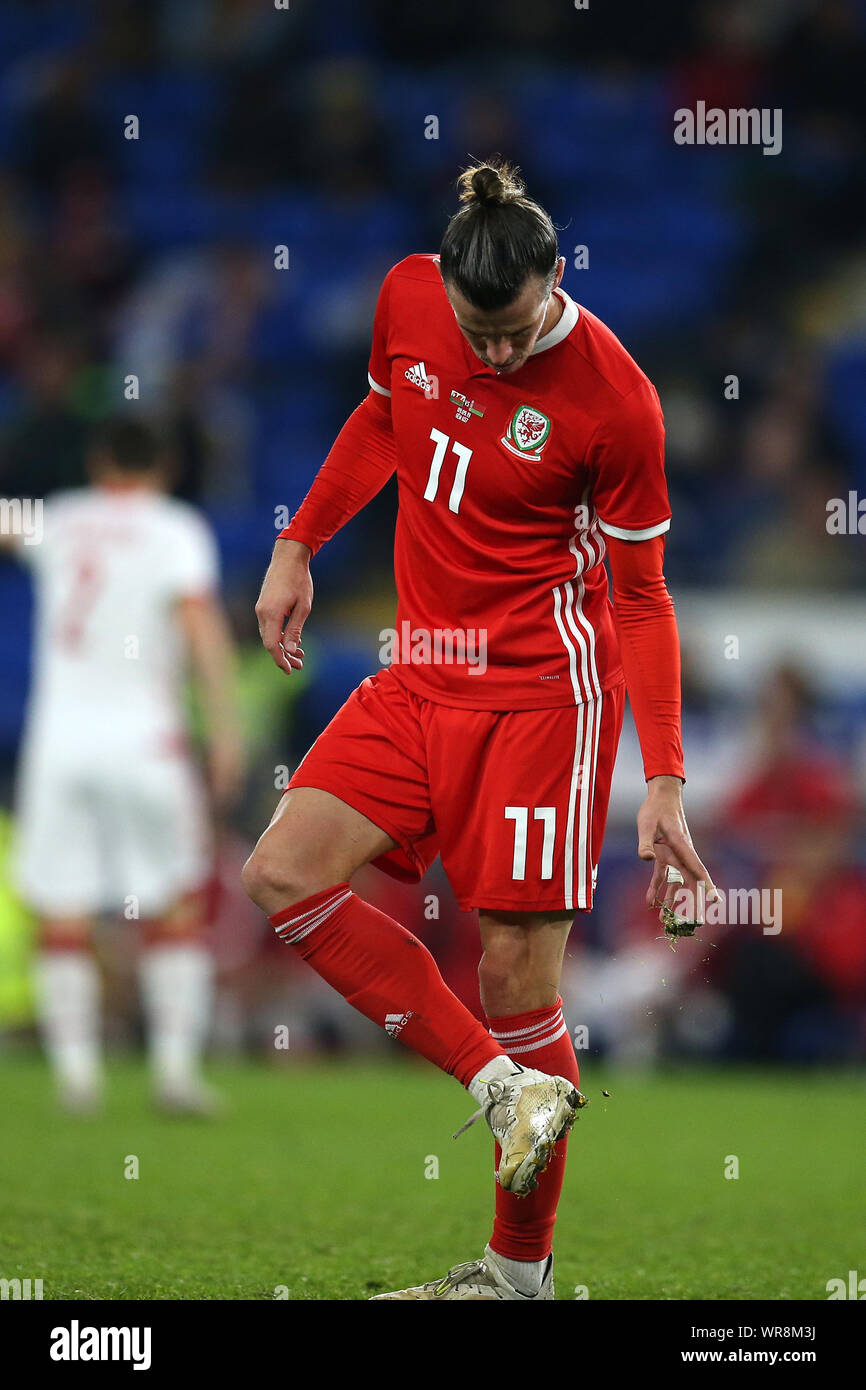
505 963
521 965
314 842
277 880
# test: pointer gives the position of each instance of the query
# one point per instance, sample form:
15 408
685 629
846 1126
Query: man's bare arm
360 462
212 657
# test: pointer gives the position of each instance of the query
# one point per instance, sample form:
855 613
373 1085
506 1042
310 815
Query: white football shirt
109 661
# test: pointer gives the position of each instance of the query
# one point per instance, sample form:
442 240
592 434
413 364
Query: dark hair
131 445
497 238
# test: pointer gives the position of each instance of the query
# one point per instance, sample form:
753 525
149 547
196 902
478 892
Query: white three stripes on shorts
578 636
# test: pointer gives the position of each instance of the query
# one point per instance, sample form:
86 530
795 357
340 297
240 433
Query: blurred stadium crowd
310 127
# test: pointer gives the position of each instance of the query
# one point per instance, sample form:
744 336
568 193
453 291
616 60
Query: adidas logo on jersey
395 1023
417 375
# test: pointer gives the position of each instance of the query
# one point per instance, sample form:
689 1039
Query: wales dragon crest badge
527 433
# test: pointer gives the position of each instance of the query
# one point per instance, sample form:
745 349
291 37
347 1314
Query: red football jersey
507 485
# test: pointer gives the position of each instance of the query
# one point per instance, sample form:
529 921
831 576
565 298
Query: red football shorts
514 801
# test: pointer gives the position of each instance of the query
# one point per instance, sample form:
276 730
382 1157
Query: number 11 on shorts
520 816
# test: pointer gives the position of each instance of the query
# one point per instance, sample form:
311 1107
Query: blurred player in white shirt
112 812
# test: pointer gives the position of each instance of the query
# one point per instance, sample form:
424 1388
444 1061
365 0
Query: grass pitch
315 1183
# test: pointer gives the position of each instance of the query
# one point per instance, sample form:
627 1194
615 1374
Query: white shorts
127 837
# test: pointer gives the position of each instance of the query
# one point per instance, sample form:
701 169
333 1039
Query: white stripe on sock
534 1046
297 932
302 917
533 1029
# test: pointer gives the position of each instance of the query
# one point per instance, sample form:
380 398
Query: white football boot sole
477 1279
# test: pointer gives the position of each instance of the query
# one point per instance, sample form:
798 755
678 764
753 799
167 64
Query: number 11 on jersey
463 456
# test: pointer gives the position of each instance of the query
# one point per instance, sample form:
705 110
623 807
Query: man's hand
663 836
284 603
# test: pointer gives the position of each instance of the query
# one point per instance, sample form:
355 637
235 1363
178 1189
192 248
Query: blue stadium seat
16 604
29 31
174 110
846 404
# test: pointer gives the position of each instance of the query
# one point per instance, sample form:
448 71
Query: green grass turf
316 1180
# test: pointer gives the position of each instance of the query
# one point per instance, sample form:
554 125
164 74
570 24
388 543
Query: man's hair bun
490 185
497 237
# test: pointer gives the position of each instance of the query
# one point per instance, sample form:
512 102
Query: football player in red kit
527 444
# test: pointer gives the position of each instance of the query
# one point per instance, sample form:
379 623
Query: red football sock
386 973
523 1227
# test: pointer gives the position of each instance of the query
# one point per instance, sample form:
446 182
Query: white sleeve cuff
383 390
622 534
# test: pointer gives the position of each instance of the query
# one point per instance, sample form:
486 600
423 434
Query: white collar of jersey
567 319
